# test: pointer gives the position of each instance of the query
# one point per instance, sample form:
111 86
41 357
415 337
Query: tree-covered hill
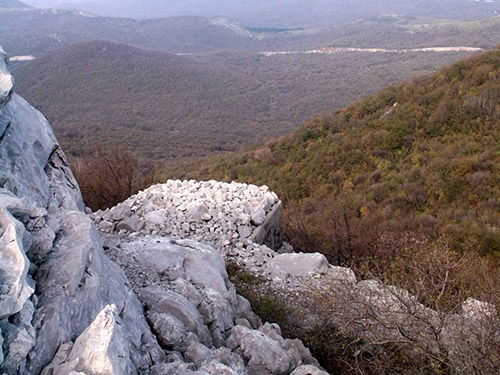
419 160
39 31
162 106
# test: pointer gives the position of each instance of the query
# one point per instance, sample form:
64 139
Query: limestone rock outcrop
6 80
194 310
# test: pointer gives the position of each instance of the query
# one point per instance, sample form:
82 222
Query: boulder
16 285
170 331
478 309
154 218
297 264
130 224
167 302
264 355
100 349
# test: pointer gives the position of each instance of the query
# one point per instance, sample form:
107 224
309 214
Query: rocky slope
237 219
163 306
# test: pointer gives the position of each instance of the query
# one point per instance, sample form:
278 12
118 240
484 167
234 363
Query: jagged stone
264 355
478 309
100 349
215 367
297 264
170 303
258 216
155 218
130 224
106 226
170 330
17 285
197 353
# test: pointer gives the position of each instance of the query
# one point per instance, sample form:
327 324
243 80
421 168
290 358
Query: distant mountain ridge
282 13
36 32
13 4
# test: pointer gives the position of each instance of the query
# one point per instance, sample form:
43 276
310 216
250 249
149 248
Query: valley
166 107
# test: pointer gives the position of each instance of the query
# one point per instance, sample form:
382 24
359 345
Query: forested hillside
162 106
415 166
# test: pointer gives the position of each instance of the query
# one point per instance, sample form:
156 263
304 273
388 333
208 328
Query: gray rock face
101 349
32 166
6 80
194 310
264 354
76 283
16 285
294 264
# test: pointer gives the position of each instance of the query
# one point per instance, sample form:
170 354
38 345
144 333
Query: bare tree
109 176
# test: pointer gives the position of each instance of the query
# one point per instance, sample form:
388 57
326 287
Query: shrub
109 176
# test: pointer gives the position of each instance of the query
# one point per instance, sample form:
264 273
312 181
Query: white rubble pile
218 213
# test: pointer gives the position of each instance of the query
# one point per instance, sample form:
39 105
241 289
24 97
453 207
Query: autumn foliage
109 176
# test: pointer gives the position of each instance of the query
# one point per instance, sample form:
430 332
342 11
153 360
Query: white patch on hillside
335 50
231 26
22 58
